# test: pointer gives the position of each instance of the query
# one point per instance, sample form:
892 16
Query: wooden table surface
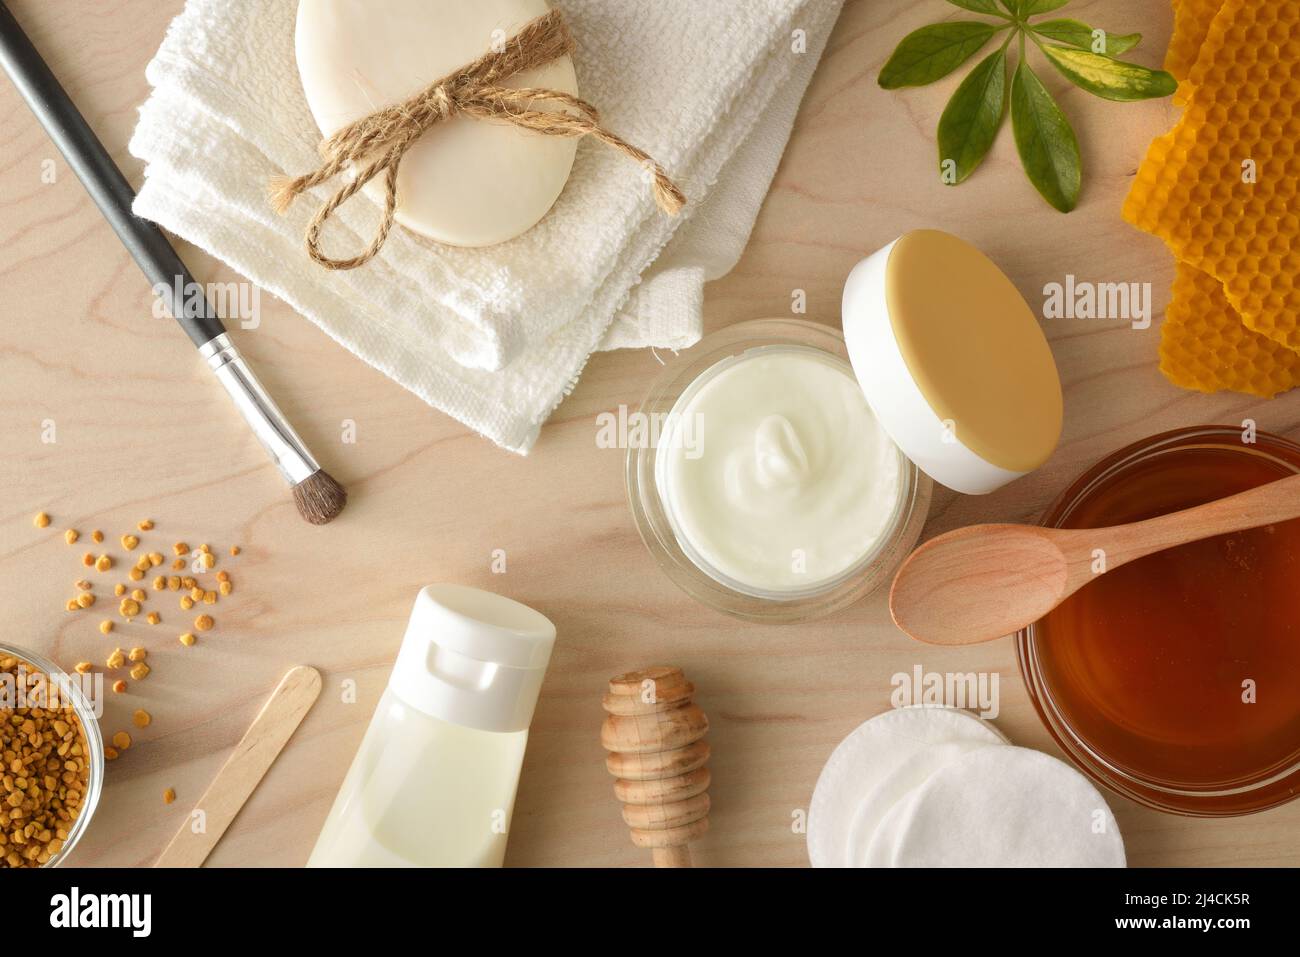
140 430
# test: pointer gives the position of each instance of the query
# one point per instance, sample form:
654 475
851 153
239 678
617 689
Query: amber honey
1176 679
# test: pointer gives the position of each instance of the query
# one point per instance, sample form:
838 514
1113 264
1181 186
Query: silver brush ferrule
268 423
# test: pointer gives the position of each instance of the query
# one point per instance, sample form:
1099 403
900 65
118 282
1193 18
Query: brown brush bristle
319 498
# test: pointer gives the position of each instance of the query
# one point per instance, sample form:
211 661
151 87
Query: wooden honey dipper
655 735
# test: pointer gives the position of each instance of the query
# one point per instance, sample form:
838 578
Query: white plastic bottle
433 784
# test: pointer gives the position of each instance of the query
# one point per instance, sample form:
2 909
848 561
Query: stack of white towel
495 337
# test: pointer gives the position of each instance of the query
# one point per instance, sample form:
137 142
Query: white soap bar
866 760
466 182
1002 807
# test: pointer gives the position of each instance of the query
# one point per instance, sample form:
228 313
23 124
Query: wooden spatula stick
982 582
244 770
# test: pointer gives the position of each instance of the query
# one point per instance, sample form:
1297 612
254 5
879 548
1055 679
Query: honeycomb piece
1192 19
1194 189
1205 346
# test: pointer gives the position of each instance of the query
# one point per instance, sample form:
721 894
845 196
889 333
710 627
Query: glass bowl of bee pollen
53 760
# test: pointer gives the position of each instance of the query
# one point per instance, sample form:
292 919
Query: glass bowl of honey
1175 679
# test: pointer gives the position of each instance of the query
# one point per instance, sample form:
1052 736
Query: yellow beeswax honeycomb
1205 346
1194 188
1192 19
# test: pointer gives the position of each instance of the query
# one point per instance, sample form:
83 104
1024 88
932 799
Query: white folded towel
495 337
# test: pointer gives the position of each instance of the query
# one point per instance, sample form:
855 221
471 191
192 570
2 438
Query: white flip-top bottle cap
473 658
952 361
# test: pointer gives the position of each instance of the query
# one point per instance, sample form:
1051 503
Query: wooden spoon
982 582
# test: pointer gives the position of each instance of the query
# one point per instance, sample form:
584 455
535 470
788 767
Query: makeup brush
318 496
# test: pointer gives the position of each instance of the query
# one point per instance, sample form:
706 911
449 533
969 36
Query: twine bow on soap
374 145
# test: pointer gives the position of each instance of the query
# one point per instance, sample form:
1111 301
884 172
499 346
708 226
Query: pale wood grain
245 768
143 430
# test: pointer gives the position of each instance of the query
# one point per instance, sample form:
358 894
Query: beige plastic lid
953 361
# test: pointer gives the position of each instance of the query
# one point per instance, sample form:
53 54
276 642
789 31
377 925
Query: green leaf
932 52
1076 34
1032 8
1048 148
1107 78
978 6
1013 7
971 120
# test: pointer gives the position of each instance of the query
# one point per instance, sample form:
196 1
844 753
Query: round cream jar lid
467 182
952 361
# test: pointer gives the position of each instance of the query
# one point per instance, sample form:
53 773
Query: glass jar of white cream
751 498
781 479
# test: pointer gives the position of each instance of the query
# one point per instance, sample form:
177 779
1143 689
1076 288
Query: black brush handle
103 180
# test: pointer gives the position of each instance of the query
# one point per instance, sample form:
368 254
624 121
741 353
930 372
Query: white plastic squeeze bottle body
433 784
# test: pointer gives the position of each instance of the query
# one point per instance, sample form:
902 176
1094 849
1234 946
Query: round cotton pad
906 778
1003 807
880 846
869 756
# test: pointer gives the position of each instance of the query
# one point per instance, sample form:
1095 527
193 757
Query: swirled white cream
787 481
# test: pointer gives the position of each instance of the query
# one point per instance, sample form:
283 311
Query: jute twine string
375 144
